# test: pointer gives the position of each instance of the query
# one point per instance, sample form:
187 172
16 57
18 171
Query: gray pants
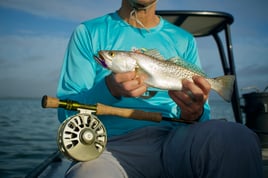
212 149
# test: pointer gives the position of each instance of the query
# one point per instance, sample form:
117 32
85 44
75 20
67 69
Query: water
28 133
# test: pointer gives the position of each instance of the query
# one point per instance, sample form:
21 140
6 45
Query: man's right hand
125 84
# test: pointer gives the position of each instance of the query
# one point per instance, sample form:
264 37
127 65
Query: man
143 148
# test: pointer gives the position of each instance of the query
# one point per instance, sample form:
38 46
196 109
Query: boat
200 24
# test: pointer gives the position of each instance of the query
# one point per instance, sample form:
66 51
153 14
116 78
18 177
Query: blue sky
34 35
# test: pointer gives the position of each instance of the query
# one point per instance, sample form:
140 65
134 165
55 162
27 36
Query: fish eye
111 54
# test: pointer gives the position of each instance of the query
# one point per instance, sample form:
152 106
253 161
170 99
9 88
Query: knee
222 134
104 166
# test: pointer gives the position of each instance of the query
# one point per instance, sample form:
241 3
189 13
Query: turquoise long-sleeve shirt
82 79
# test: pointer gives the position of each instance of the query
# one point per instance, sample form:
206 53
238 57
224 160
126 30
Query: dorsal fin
153 53
176 60
180 62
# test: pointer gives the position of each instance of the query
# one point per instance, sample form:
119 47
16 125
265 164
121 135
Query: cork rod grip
128 113
50 102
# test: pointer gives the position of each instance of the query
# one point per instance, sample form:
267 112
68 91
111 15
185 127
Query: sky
34 35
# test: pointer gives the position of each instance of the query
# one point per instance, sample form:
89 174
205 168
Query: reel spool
82 137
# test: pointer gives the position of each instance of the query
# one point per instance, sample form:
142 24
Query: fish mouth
100 59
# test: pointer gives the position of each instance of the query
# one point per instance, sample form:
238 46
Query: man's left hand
192 97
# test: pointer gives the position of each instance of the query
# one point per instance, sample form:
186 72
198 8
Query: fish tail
223 86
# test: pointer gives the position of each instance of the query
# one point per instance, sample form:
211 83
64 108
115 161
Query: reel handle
101 109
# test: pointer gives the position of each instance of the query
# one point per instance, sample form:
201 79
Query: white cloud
69 10
30 64
24 47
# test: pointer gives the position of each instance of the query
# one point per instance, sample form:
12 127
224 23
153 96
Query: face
141 3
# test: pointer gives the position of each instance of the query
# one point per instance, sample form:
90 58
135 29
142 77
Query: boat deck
57 169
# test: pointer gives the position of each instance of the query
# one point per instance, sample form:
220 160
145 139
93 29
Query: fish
164 74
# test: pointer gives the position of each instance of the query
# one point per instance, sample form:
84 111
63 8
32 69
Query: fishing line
136 7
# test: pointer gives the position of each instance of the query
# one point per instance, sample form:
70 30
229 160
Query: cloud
30 63
22 47
68 10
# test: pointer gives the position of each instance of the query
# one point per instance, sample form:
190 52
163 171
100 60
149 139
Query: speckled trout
160 73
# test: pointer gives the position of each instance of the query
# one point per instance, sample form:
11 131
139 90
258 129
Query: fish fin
153 53
176 60
223 86
192 67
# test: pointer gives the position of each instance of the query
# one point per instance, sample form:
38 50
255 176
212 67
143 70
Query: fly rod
83 137
101 109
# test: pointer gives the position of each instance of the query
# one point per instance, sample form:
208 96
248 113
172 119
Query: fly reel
82 137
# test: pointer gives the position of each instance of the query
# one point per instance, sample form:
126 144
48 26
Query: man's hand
192 97
125 84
